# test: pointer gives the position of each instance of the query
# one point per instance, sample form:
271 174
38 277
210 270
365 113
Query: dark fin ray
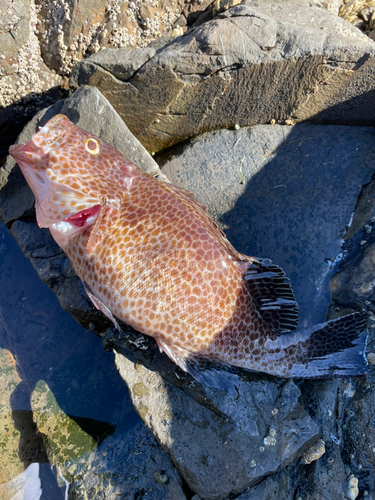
99 305
205 371
332 349
272 295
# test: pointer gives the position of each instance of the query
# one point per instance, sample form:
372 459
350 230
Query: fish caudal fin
272 295
332 349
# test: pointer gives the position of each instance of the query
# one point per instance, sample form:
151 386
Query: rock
10 463
355 283
330 411
83 29
252 64
24 78
280 486
22 70
64 440
257 182
220 443
130 465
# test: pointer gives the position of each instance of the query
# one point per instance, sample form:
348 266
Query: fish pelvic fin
272 294
332 349
100 305
205 371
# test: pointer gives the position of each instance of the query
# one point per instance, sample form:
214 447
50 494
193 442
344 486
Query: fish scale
149 254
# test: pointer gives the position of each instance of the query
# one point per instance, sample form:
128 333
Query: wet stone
129 466
64 440
220 442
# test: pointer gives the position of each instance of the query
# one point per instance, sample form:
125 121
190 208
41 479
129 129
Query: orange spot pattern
162 265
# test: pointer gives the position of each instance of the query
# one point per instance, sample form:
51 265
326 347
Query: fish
149 254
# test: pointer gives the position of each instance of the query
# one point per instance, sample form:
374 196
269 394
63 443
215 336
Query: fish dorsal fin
272 295
205 371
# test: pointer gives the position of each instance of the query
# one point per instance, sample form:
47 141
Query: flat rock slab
220 442
262 61
284 193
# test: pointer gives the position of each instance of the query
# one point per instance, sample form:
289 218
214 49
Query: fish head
71 172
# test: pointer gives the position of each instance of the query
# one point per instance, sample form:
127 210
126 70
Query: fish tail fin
332 349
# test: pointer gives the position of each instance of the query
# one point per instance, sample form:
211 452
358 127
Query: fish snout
26 154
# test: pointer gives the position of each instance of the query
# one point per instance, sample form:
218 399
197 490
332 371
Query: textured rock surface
284 193
221 443
22 70
252 64
10 463
64 440
70 30
128 466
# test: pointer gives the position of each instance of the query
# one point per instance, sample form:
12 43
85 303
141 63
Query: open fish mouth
84 218
75 223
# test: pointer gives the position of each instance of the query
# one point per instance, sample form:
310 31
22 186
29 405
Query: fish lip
21 152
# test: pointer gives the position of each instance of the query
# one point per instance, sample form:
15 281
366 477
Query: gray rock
220 442
128 466
284 193
279 486
263 61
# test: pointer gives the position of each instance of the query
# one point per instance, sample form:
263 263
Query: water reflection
48 344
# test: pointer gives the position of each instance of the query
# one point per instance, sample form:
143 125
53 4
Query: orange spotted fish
149 254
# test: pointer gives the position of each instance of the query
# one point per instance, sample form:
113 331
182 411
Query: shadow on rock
50 346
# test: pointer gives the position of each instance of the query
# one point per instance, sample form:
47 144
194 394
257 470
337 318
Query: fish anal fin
272 295
100 305
205 371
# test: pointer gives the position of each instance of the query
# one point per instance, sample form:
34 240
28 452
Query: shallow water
48 344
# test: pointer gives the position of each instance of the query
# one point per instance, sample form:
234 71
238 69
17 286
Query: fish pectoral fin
272 295
96 234
205 371
100 305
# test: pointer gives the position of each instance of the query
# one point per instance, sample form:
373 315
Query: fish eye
92 146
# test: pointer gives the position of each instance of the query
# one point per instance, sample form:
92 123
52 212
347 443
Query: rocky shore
265 110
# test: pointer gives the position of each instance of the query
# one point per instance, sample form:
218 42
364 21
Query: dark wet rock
128 466
220 442
64 439
284 193
355 283
331 410
280 486
252 64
